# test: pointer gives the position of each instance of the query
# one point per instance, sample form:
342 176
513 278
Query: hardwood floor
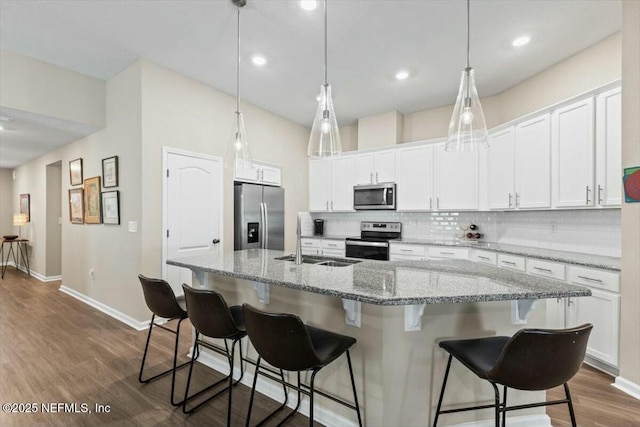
54 348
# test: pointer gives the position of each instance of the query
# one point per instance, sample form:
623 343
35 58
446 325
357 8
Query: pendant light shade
325 134
324 140
238 155
467 128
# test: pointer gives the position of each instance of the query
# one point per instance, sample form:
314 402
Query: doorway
53 207
192 209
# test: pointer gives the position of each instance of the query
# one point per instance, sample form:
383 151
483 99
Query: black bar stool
288 344
211 317
163 303
533 359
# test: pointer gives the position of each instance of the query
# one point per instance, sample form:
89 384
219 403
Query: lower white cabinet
325 247
444 252
511 262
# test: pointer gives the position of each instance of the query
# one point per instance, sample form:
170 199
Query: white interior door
193 210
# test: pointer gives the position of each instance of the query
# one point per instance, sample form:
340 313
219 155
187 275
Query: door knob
215 241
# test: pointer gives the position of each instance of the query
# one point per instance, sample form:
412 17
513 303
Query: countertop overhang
384 282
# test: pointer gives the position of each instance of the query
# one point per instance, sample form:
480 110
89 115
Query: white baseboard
127 320
35 274
274 391
541 420
631 388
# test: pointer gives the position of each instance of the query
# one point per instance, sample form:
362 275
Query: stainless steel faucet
298 243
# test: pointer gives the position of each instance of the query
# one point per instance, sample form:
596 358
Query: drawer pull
484 257
332 244
546 270
590 279
447 253
406 250
508 262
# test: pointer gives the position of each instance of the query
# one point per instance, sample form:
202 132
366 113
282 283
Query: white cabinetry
437 252
456 180
608 148
533 163
414 178
376 167
401 252
573 154
260 173
326 247
501 170
331 184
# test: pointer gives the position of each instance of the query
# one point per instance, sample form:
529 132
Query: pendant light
238 154
467 129
325 135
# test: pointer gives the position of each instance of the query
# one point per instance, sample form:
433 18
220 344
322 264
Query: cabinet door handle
406 250
447 253
327 205
590 279
510 199
371 178
438 202
508 262
484 257
376 177
569 302
588 191
600 201
332 244
546 270
258 175
430 203
332 205
517 200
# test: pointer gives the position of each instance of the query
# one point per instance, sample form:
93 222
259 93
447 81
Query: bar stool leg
504 405
253 390
175 367
312 383
497 401
444 384
146 348
570 403
355 394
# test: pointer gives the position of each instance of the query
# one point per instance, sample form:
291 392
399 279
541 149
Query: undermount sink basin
319 261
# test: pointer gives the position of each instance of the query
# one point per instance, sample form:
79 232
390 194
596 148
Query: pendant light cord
326 81
238 69
468 33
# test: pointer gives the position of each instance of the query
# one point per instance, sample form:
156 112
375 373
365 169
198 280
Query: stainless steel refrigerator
258 217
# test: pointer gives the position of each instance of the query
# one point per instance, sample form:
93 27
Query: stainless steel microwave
374 196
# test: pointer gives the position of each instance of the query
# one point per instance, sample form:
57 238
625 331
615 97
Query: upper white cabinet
533 163
415 178
608 148
331 184
456 180
260 174
501 169
573 154
372 168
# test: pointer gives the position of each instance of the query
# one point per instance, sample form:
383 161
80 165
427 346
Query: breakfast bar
398 311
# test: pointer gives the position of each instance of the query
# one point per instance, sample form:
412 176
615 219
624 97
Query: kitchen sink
319 261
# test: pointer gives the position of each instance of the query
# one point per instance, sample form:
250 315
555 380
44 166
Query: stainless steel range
373 242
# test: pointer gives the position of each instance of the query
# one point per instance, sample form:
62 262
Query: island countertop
384 282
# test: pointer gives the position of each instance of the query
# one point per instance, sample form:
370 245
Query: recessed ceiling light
402 75
1 127
259 60
521 41
308 4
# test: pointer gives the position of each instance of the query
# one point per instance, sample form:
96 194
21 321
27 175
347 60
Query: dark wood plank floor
54 348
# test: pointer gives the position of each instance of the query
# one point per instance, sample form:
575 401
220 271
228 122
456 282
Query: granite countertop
576 258
385 282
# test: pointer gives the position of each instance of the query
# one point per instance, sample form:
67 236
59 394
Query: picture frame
25 205
110 172
76 205
631 184
111 207
75 171
92 199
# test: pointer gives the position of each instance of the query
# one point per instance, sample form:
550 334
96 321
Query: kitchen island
398 373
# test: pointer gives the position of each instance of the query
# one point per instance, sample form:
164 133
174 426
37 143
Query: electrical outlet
132 226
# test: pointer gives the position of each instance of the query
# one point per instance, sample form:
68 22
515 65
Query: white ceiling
369 40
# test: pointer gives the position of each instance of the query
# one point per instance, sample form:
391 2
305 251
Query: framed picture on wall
76 205
92 211
110 172
75 171
25 205
111 207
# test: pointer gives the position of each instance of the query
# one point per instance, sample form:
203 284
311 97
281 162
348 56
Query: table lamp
19 220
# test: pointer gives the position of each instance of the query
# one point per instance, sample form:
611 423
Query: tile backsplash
587 231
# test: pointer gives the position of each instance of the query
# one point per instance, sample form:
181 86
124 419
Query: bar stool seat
533 359
286 343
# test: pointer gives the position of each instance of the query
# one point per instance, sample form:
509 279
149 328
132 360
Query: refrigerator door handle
266 226
262 246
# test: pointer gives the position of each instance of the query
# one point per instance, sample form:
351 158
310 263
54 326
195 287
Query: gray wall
6 203
53 214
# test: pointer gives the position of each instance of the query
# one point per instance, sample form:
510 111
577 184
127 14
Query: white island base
398 374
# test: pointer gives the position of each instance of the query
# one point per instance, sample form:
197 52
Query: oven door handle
373 244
